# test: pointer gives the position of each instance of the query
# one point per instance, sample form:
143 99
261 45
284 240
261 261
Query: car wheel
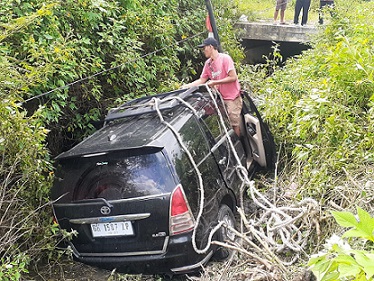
226 215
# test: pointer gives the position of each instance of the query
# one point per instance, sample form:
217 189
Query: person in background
323 3
301 5
219 72
280 6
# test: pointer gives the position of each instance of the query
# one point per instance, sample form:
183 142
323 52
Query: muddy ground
75 271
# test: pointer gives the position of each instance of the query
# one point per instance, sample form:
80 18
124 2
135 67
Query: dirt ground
68 271
75 271
239 270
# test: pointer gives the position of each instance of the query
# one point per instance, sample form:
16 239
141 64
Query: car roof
136 124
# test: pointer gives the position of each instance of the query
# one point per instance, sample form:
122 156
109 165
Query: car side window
212 120
198 145
194 139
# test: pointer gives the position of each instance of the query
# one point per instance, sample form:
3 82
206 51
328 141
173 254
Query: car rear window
119 176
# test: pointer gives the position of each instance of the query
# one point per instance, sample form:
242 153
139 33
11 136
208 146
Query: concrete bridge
276 32
259 38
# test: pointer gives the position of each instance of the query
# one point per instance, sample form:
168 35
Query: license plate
112 229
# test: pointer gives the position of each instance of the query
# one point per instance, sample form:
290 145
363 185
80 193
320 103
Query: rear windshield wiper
100 199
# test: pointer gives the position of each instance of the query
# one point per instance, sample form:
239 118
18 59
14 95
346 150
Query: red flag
207 23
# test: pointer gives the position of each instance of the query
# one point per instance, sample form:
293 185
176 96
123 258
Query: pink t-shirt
219 69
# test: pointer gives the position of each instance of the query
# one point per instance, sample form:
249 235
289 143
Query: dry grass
252 259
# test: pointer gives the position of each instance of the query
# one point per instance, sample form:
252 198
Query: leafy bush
109 52
25 216
319 105
126 49
69 40
339 261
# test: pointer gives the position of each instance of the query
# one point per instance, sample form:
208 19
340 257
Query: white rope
280 223
196 168
279 220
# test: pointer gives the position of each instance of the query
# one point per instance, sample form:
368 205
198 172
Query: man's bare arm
197 82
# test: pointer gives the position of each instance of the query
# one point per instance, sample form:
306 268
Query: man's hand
185 86
212 84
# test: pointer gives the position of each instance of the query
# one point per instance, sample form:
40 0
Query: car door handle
222 161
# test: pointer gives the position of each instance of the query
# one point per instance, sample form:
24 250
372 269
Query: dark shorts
234 109
281 5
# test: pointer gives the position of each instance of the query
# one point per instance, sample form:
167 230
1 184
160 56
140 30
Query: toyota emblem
105 210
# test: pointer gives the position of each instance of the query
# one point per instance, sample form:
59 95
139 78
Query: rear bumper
179 258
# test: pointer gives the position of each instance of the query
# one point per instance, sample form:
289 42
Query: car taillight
181 218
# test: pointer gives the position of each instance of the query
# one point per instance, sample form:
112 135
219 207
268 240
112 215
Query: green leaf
321 268
363 227
366 260
345 219
348 270
362 277
354 233
366 223
363 215
316 259
369 270
345 259
331 276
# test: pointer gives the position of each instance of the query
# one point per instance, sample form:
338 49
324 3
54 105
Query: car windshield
120 176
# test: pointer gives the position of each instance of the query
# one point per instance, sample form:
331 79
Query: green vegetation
319 105
111 51
320 108
339 261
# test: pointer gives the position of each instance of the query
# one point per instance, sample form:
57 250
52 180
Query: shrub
339 261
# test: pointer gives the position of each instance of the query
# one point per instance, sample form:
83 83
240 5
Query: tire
223 234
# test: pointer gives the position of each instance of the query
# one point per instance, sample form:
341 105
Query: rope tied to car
156 102
280 222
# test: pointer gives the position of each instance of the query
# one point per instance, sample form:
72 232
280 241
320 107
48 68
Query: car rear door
117 202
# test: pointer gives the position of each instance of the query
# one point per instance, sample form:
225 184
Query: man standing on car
220 71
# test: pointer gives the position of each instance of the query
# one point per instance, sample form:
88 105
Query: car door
117 202
220 145
257 137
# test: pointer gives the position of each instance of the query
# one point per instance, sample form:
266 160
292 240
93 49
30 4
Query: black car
145 191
